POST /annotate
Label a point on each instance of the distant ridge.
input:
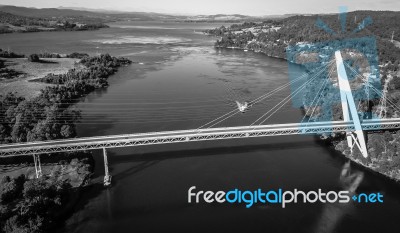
(44, 12)
(122, 15)
(105, 11)
(66, 12)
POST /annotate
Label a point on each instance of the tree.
(375, 143)
(11, 189)
(34, 58)
(67, 131)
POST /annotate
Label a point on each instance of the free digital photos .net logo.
(360, 56)
(279, 197)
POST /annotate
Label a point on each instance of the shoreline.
(370, 169)
(252, 50)
(33, 29)
(359, 162)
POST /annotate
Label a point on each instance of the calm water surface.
(182, 82)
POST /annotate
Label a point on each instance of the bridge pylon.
(356, 136)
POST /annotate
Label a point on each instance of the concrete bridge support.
(107, 176)
(38, 167)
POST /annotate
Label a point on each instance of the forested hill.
(384, 23)
(272, 37)
(20, 20)
(18, 23)
(47, 12)
(104, 15)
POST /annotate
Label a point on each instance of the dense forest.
(37, 205)
(28, 205)
(21, 20)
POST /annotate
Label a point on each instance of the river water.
(181, 82)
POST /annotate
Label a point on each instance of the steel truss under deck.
(115, 141)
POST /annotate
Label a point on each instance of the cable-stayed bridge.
(153, 138)
(351, 125)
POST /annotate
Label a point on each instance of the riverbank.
(9, 28)
(382, 150)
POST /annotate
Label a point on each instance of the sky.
(191, 7)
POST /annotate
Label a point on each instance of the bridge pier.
(38, 167)
(107, 176)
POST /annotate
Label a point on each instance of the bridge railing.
(124, 140)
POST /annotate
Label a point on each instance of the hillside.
(103, 16)
(10, 22)
(109, 15)
(46, 12)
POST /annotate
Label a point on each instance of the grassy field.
(31, 71)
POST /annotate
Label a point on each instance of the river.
(181, 82)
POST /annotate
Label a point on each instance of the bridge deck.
(112, 141)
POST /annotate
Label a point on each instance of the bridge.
(153, 138)
(352, 126)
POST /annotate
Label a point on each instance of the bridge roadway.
(113, 141)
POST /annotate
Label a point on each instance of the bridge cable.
(375, 89)
(253, 102)
(283, 104)
(317, 95)
(316, 103)
(287, 98)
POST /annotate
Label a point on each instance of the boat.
(243, 107)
